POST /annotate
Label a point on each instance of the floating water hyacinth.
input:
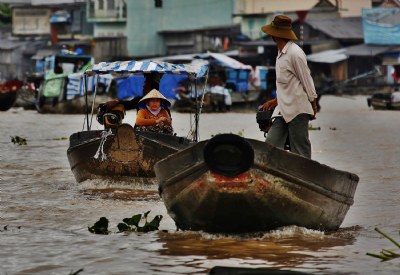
(18, 140)
(132, 224)
(137, 223)
(100, 227)
(312, 128)
(385, 254)
(76, 272)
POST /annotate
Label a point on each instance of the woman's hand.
(161, 119)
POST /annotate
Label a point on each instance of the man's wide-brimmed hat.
(280, 27)
(156, 94)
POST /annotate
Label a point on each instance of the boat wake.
(280, 233)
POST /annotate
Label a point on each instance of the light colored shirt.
(395, 97)
(217, 89)
(295, 86)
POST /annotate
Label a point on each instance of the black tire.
(228, 155)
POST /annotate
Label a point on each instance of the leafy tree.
(5, 14)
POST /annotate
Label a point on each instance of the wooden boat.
(8, 93)
(120, 154)
(120, 151)
(7, 99)
(382, 101)
(232, 184)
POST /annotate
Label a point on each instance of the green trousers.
(295, 132)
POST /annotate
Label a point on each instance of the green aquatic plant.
(59, 138)
(100, 227)
(385, 254)
(132, 224)
(241, 133)
(76, 272)
(137, 223)
(5, 228)
(311, 127)
(5, 14)
(18, 140)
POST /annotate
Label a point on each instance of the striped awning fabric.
(196, 70)
(76, 87)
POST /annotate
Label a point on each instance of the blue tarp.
(130, 87)
(169, 82)
(133, 85)
(60, 17)
(381, 26)
(240, 78)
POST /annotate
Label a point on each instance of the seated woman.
(154, 116)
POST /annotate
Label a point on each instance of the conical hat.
(155, 94)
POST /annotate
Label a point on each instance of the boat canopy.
(193, 70)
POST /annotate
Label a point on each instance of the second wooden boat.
(120, 153)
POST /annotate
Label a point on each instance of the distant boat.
(120, 152)
(383, 101)
(8, 93)
(231, 184)
(64, 93)
(27, 95)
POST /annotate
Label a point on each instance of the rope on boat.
(194, 133)
(94, 99)
(100, 150)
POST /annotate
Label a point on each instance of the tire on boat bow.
(228, 155)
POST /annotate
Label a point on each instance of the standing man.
(295, 103)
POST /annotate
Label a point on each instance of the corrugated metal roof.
(333, 56)
(367, 50)
(54, 2)
(339, 28)
(10, 44)
(394, 49)
(273, 6)
(330, 56)
(40, 54)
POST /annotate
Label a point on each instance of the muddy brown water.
(45, 214)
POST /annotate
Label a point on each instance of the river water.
(45, 214)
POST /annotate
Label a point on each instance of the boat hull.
(382, 101)
(7, 100)
(279, 189)
(121, 154)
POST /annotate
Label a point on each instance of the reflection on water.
(45, 215)
(287, 247)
